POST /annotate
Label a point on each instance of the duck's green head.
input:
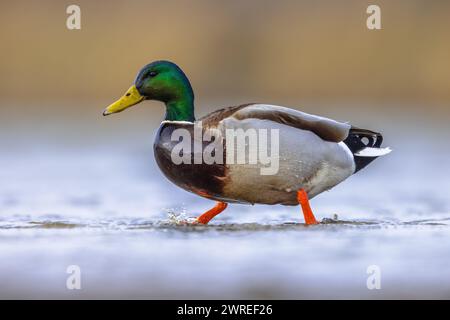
(163, 81)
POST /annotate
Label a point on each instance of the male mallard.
(315, 153)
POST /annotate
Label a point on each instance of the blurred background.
(72, 180)
(317, 56)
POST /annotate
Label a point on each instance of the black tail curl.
(359, 139)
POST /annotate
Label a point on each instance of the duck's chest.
(179, 156)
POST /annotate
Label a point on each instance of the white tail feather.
(373, 152)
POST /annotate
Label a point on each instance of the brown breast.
(206, 180)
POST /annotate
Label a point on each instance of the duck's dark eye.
(152, 73)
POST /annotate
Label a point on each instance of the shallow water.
(141, 258)
(113, 214)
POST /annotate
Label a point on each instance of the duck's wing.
(327, 129)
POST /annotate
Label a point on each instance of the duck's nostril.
(128, 94)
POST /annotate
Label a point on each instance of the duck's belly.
(304, 161)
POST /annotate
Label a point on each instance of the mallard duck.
(314, 153)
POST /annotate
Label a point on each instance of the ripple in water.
(183, 222)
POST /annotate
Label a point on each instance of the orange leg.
(302, 198)
(211, 213)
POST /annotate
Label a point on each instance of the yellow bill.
(130, 98)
